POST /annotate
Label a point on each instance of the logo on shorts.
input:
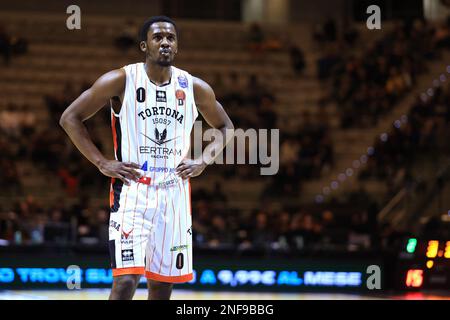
(179, 248)
(114, 225)
(127, 255)
(167, 183)
(189, 230)
(125, 235)
(126, 238)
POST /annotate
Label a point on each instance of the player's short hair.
(144, 29)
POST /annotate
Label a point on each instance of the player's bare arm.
(84, 107)
(214, 114)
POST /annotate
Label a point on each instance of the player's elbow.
(230, 126)
(65, 119)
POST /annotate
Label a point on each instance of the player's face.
(162, 43)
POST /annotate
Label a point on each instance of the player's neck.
(158, 74)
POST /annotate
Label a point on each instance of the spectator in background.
(254, 90)
(330, 30)
(10, 121)
(69, 180)
(256, 38)
(218, 196)
(9, 177)
(234, 92)
(219, 235)
(261, 232)
(305, 231)
(297, 60)
(5, 45)
(351, 35)
(282, 233)
(9, 226)
(325, 32)
(327, 62)
(127, 39)
(201, 224)
(266, 113)
(101, 226)
(219, 86)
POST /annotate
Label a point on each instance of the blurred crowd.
(305, 154)
(424, 131)
(30, 222)
(338, 226)
(347, 226)
(17, 123)
(34, 148)
(75, 172)
(366, 85)
(11, 45)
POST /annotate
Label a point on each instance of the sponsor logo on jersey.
(160, 137)
(180, 96)
(179, 248)
(182, 80)
(146, 168)
(161, 169)
(161, 96)
(161, 111)
(127, 255)
(159, 152)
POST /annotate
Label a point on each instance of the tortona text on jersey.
(161, 111)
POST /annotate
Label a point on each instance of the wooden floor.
(141, 294)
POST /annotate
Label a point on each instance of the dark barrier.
(39, 268)
(422, 265)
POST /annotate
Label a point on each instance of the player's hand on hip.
(189, 168)
(125, 171)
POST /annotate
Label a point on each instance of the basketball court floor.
(141, 294)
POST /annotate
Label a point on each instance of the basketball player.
(153, 109)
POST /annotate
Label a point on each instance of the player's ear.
(143, 46)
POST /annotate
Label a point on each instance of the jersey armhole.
(118, 115)
(194, 110)
(194, 105)
(112, 101)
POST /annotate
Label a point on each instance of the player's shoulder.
(114, 78)
(185, 79)
(202, 90)
(132, 68)
(200, 87)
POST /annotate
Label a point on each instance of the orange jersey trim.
(132, 270)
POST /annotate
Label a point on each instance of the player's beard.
(164, 63)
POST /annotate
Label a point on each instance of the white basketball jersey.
(154, 124)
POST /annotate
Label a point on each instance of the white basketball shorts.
(150, 230)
